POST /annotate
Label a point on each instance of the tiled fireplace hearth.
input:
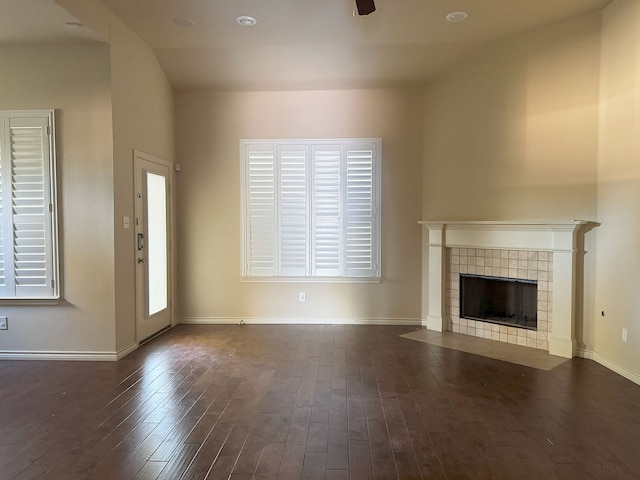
(545, 252)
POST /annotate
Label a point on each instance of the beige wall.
(617, 280)
(142, 120)
(542, 126)
(209, 127)
(110, 99)
(74, 80)
(511, 133)
(142, 103)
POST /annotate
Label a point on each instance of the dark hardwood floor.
(313, 402)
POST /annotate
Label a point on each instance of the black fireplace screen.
(506, 301)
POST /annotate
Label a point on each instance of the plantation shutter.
(311, 208)
(28, 266)
(5, 185)
(261, 228)
(360, 225)
(293, 163)
(30, 207)
(327, 211)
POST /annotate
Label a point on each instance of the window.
(311, 208)
(28, 247)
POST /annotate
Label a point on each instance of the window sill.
(30, 301)
(311, 280)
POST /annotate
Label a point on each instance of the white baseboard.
(610, 364)
(64, 356)
(298, 321)
(127, 350)
(69, 356)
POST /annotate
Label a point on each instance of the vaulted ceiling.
(39, 21)
(307, 44)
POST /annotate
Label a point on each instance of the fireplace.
(503, 301)
(500, 269)
(547, 252)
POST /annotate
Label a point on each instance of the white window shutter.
(326, 208)
(311, 208)
(5, 220)
(30, 207)
(293, 168)
(28, 243)
(360, 206)
(261, 228)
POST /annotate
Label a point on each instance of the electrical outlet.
(302, 297)
(624, 334)
(3, 323)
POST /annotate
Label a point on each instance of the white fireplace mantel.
(560, 237)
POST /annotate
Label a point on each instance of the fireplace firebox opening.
(505, 301)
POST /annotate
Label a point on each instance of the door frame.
(171, 238)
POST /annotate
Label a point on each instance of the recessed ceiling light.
(246, 21)
(183, 22)
(456, 16)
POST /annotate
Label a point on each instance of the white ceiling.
(307, 44)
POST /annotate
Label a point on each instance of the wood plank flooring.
(313, 402)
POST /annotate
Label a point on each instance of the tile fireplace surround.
(548, 252)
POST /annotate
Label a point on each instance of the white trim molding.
(563, 238)
(298, 321)
(610, 364)
(61, 356)
(127, 350)
(69, 356)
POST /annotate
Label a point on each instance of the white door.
(152, 235)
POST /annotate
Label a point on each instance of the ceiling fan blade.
(365, 7)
